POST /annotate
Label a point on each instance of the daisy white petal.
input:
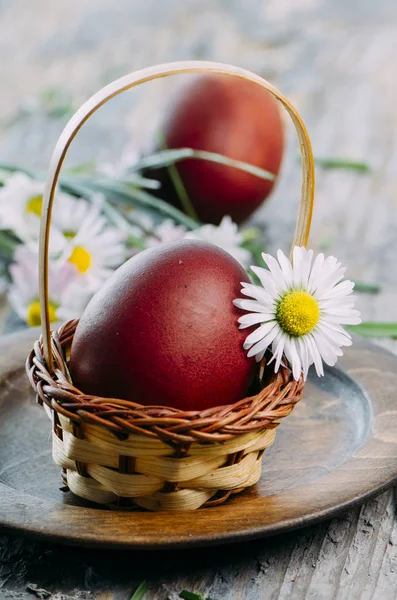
(336, 328)
(302, 261)
(304, 354)
(258, 334)
(286, 267)
(315, 271)
(291, 352)
(340, 338)
(254, 318)
(250, 305)
(329, 352)
(306, 267)
(348, 316)
(297, 266)
(340, 290)
(275, 270)
(314, 354)
(263, 343)
(266, 280)
(258, 293)
(339, 302)
(278, 350)
(331, 274)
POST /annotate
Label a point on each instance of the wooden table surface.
(337, 60)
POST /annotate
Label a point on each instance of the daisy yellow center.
(33, 317)
(81, 258)
(35, 205)
(69, 234)
(297, 313)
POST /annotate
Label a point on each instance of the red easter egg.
(163, 330)
(232, 117)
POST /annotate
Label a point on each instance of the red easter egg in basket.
(163, 330)
(228, 116)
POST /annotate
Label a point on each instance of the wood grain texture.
(336, 60)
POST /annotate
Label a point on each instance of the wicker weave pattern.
(118, 452)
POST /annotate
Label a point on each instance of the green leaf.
(8, 243)
(140, 591)
(16, 168)
(342, 163)
(366, 288)
(374, 330)
(186, 595)
(87, 168)
(141, 182)
(165, 158)
(117, 192)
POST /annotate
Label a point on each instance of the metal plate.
(338, 447)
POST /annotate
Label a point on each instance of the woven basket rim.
(172, 425)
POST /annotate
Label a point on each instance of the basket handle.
(125, 83)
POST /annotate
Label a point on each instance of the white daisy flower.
(300, 311)
(21, 200)
(226, 235)
(95, 248)
(69, 213)
(20, 205)
(167, 231)
(68, 297)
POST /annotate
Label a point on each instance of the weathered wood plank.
(337, 61)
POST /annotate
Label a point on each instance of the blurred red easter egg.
(163, 330)
(228, 116)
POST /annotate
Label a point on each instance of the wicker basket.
(122, 454)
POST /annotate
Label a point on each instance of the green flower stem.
(165, 158)
(140, 591)
(341, 163)
(178, 184)
(181, 192)
(130, 196)
(374, 330)
(366, 288)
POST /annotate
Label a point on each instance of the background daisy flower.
(94, 247)
(21, 201)
(68, 297)
(227, 236)
(167, 231)
(300, 311)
